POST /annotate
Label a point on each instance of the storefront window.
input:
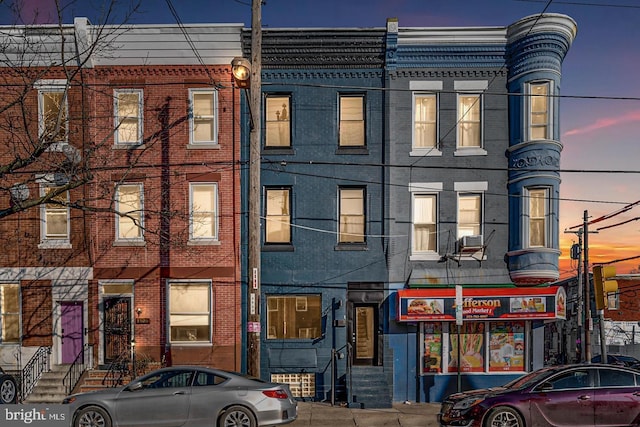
(472, 348)
(432, 355)
(506, 345)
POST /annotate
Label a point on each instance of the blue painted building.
(473, 138)
(323, 258)
(410, 181)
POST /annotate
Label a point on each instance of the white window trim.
(420, 189)
(130, 240)
(116, 111)
(47, 243)
(210, 314)
(550, 110)
(203, 144)
(52, 85)
(470, 151)
(527, 216)
(205, 240)
(425, 151)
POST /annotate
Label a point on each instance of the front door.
(117, 328)
(71, 333)
(364, 333)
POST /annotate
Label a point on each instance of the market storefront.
(495, 328)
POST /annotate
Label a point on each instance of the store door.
(117, 328)
(71, 330)
(364, 334)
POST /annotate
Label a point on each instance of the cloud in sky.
(607, 122)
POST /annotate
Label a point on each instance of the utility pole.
(587, 291)
(255, 94)
(580, 287)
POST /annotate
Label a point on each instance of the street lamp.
(241, 69)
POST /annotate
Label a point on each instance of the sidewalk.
(402, 415)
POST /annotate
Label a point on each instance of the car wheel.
(8, 389)
(237, 416)
(503, 416)
(92, 416)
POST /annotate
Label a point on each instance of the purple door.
(71, 331)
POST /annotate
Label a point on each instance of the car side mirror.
(134, 386)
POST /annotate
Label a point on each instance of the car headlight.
(69, 399)
(467, 403)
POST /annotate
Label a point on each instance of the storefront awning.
(439, 304)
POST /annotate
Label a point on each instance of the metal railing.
(118, 369)
(74, 373)
(39, 363)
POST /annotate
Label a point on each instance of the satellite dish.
(20, 192)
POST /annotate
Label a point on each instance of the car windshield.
(530, 378)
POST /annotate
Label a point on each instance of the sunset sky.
(600, 108)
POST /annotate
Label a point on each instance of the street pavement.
(400, 415)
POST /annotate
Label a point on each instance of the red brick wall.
(629, 297)
(37, 318)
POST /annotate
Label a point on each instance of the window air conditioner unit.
(468, 243)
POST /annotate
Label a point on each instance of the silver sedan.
(189, 396)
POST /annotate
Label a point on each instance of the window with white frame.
(278, 215)
(129, 212)
(539, 110)
(538, 208)
(128, 116)
(469, 214)
(9, 313)
(425, 121)
(469, 120)
(204, 211)
(53, 112)
(425, 223)
(294, 316)
(352, 215)
(352, 121)
(203, 119)
(277, 122)
(190, 312)
(55, 215)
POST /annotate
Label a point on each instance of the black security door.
(117, 327)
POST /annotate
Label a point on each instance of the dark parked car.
(8, 388)
(186, 396)
(571, 395)
(618, 359)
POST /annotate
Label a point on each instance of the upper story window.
(55, 217)
(352, 121)
(425, 121)
(540, 110)
(190, 312)
(278, 215)
(469, 214)
(203, 123)
(203, 211)
(277, 122)
(469, 120)
(352, 215)
(538, 209)
(129, 212)
(53, 111)
(425, 223)
(128, 116)
(9, 313)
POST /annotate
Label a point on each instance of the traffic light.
(603, 285)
